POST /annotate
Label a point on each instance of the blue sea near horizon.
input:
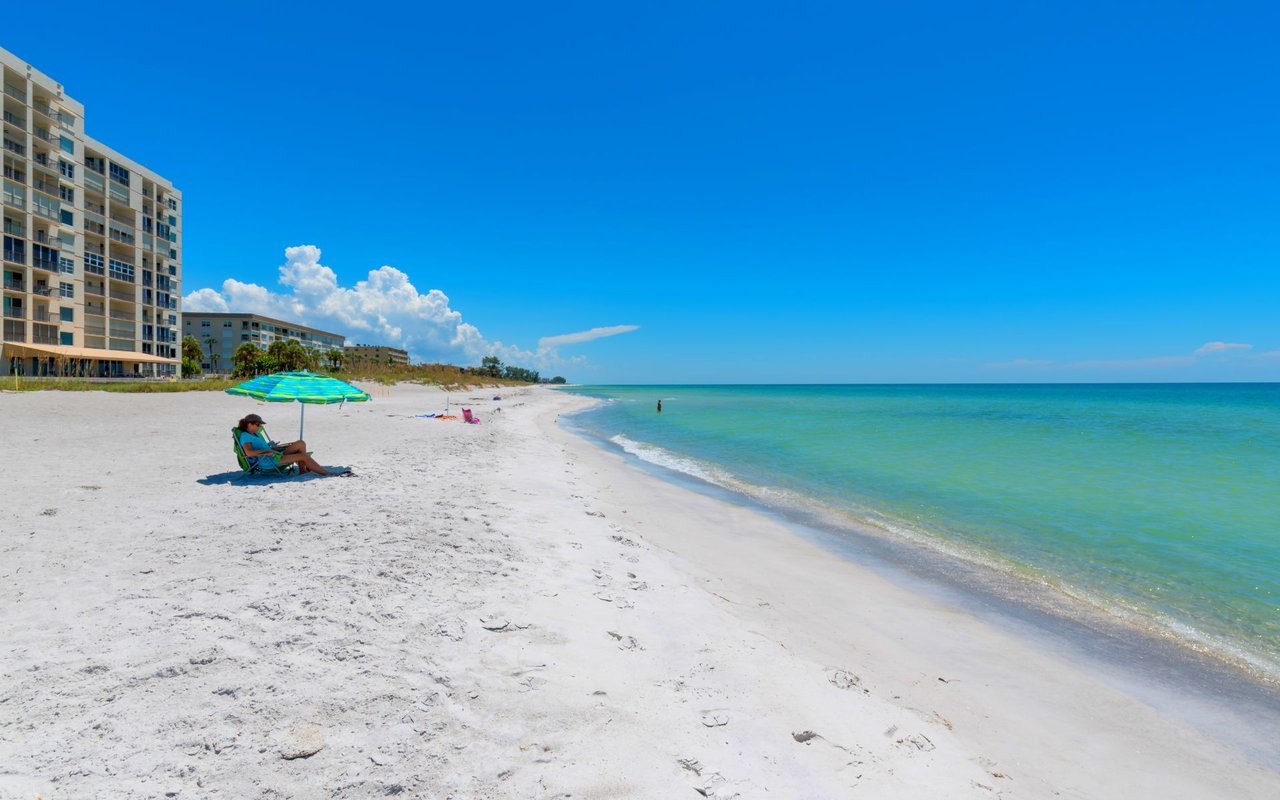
(1158, 504)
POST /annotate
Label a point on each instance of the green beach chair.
(275, 469)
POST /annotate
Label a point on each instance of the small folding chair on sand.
(252, 469)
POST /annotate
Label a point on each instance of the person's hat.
(253, 418)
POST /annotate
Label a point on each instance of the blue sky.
(827, 192)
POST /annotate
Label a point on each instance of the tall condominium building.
(92, 244)
(229, 330)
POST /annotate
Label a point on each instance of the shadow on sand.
(239, 478)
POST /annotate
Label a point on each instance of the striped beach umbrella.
(299, 387)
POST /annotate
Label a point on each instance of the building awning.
(65, 351)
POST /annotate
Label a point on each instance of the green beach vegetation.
(250, 360)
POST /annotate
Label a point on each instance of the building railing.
(15, 331)
(41, 315)
(118, 344)
(47, 266)
(121, 237)
(97, 208)
(15, 92)
(94, 270)
(44, 334)
(123, 315)
(43, 291)
(15, 228)
(14, 147)
(47, 110)
(15, 256)
(97, 249)
(97, 311)
(14, 119)
(95, 330)
(15, 174)
(15, 313)
(120, 294)
(15, 285)
(94, 290)
(94, 182)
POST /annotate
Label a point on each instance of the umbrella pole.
(302, 418)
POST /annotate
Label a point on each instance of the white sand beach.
(499, 610)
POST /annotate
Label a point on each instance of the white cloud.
(385, 308)
(584, 336)
(1219, 347)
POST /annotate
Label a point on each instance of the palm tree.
(213, 357)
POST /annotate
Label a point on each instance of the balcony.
(122, 237)
(46, 109)
(96, 249)
(95, 183)
(121, 294)
(121, 275)
(47, 266)
(15, 120)
(15, 174)
(14, 228)
(15, 331)
(15, 93)
(15, 312)
(44, 334)
(119, 344)
(125, 315)
(95, 310)
(94, 290)
(94, 330)
(15, 284)
(42, 290)
(48, 187)
(122, 331)
(93, 269)
(15, 256)
(42, 315)
(15, 147)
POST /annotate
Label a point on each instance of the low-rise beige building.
(376, 354)
(229, 330)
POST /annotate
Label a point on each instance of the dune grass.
(146, 387)
(446, 376)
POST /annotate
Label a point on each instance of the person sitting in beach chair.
(265, 456)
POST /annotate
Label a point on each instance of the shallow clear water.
(1159, 503)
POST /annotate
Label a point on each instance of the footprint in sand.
(625, 642)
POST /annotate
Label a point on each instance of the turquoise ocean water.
(1158, 504)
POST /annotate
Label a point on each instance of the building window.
(67, 338)
(227, 324)
(67, 290)
(67, 217)
(93, 260)
(204, 323)
(67, 313)
(67, 193)
(95, 163)
(67, 265)
(173, 204)
(67, 169)
(68, 146)
(119, 174)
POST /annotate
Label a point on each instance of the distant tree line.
(492, 367)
